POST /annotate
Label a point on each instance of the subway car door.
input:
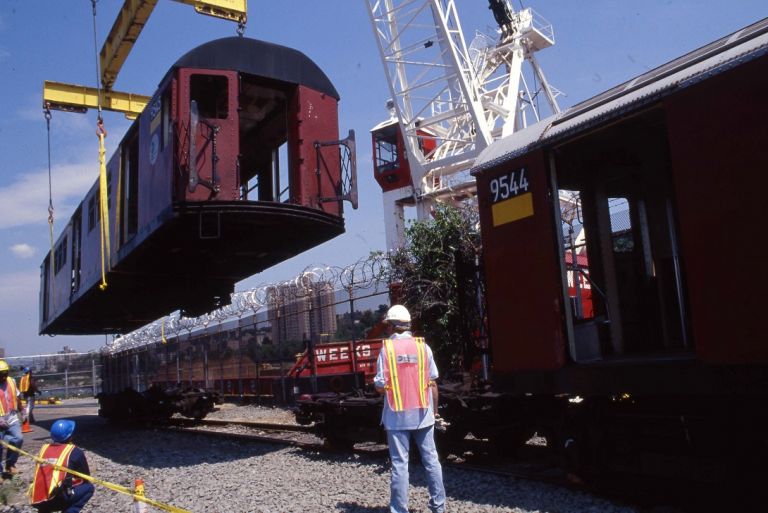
(209, 135)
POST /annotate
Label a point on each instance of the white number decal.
(523, 180)
(509, 185)
(514, 187)
(504, 187)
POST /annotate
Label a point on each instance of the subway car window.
(211, 94)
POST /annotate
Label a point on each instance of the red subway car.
(235, 165)
(669, 173)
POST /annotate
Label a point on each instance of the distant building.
(289, 313)
(67, 350)
(2, 352)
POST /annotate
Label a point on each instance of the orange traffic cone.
(25, 428)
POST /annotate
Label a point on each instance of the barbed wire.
(364, 274)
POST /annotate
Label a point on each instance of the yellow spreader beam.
(77, 98)
(133, 16)
(130, 21)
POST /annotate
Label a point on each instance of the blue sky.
(600, 43)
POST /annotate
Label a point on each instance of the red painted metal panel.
(336, 358)
(719, 150)
(524, 291)
(313, 117)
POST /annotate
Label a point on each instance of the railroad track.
(477, 458)
(266, 426)
(264, 432)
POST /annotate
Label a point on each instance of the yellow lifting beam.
(232, 10)
(130, 21)
(125, 31)
(134, 15)
(78, 98)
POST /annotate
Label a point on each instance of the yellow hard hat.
(4, 366)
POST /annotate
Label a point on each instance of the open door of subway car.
(619, 236)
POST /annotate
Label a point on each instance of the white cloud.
(26, 199)
(23, 250)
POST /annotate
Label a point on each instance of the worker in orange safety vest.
(406, 374)
(10, 427)
(56, 490)
(28, 389)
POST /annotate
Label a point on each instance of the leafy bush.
(438, 282)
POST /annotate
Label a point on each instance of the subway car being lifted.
(235, 165)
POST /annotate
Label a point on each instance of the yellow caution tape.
(112, 486)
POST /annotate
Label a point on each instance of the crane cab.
(391, 166)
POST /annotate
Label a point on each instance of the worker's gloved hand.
(3, 424)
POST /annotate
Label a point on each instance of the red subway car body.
(233, 167)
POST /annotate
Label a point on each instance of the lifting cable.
(47, 113)
(106, 484)
(101, 133)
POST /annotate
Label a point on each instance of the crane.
(125, 31)
(450, 100)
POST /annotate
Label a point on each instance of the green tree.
(438, 282)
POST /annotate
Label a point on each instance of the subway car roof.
(725, 53)
(259, 58)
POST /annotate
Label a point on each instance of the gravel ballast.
(202, 474)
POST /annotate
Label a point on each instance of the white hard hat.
(398, 314)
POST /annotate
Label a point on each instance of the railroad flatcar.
(234, 166)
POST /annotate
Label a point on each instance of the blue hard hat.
(25, 370)
(62, 430)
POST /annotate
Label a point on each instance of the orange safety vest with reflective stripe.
(47, 479)
(8, 397)
(24, 383)
(406, 372)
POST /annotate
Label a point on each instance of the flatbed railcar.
(666, 370)
(233, 167)
(190, 375)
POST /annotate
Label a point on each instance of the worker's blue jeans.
(424, 439)
(82, 494)
(12, 435)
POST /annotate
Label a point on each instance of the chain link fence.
(61, 375)
(250, 348)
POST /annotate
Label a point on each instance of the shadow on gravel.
(353, 507)
(472, 487)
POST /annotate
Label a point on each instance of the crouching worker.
(56, 490)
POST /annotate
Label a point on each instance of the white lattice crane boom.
(449, 100)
